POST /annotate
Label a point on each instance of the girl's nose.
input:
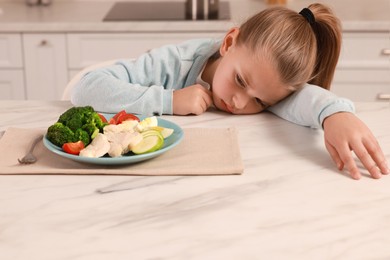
(240, 100)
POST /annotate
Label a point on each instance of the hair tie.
(309, 16)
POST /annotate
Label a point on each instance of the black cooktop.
(158, 11)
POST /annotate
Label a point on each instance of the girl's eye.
(240, 81)
(261, 103)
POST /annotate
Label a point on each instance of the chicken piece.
(115, 150)
(125, 126)
(121, 142)
(122, 137)
(97, 148)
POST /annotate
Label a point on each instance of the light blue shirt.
(145, 85)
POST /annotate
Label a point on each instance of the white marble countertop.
(87, 16)
(290, 203)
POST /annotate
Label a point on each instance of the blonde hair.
(300, 51)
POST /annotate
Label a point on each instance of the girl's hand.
(193, 99)
(344, 132)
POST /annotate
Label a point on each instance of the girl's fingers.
(365, 157)
(207, 100)
(343, 159)
(335, 156)
(377, 155)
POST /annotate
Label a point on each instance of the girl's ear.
(229, 40)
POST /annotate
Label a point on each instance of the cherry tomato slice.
(102, 118)
(114, 119)
(122, 116)
(73, 148)
(127, 117)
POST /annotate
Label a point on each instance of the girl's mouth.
(227, 107)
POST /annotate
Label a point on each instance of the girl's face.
(243, 83)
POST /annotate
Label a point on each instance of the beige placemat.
(203, 151)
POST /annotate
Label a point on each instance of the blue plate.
(169, 143)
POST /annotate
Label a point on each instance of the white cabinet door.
(11, 51)
(11, 67)
(45, 65)
(12, 84)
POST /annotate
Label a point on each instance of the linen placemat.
(203, 151)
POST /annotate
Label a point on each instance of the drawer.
(90, 48)
(361, 92)
(365, 51)
(367, 76)
(362, 85)
(11, 51)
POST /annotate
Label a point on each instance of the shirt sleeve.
(141, 86)
(310, 105)
(110, 90)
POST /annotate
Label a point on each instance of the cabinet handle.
(386, 52)
(43, 43)
(383, 96)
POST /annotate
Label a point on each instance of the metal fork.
(29, 157)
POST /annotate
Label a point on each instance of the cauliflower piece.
(97, 148)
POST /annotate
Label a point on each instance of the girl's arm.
(343, 131)
(310, 105)
(142, 86)
(145, 85)
(110, 90)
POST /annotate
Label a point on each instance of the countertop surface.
(87, 16)
(290, 203)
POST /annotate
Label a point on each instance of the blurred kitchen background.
(44, 43)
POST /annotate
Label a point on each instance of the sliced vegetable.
(104, 120)
(152, 141)
(147, 123)
(122, 116)
(127, 117)
(165, 132)
(73, 148)
(113, 120)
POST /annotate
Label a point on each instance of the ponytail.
(327, 29)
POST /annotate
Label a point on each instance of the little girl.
(264, 64)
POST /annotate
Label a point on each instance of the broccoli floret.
(98, 121)
(75, 124)
(91, 129)
(59, 134)
(81, 135)
(76, 117)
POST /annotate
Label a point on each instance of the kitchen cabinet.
(42, 64)
(363, 72)
(11, 67)
(45, 65)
